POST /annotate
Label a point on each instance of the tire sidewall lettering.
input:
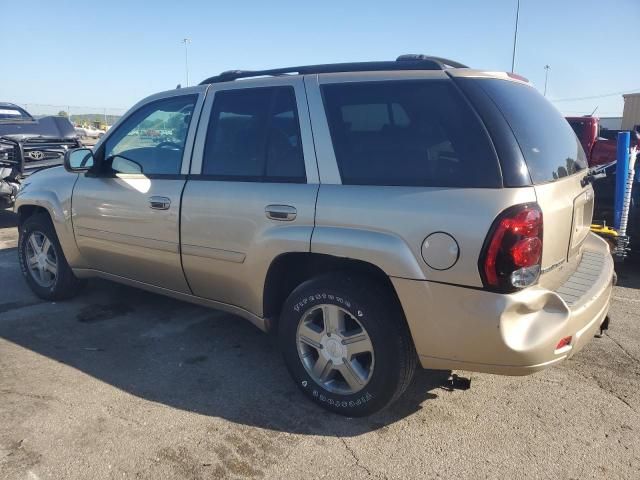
(309, 300)
(362, 399)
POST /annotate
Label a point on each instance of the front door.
(126, 216)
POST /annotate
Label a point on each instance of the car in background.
(600, 144)
(28, 144)
(89, 132)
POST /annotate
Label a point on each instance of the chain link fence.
(79, 115)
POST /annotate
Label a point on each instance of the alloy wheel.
(41, 259)
(335, 349)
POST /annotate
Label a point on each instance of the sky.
(110, 54)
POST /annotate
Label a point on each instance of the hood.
(53, 127)
(48, 173)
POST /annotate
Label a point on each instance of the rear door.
(252, 190)
(126, 217)
(556, 164)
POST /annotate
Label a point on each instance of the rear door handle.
(159, 203)
(284, 213)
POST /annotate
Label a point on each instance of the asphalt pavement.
(120, 383)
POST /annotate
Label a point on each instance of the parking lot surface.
(119, 383)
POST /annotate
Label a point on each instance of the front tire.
(42, 260)
(346, 344)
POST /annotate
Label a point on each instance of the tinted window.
(374, 116)
(548, 143)
(413, 133)
(152, 139)
(254, 135)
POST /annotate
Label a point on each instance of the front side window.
(254, 135)
(408, 133)
(151, 141)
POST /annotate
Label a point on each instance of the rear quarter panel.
(386, 226)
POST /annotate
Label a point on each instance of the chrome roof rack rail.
(403, 62)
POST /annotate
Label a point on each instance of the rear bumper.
(468, 329)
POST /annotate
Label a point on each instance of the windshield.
(549, 145)
(13, 113)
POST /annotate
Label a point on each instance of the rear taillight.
(512, 252)
(563, 342)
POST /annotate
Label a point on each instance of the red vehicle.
(599, 144)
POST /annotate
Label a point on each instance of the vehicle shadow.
(629, 272)
(8, 219)
(187, 357)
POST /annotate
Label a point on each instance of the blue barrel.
(622, 173)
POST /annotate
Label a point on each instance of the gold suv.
(376, 215)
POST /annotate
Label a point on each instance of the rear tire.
(346, 343)
(42, 260)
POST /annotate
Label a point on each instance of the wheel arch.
(58, 212)
(289, 270)
(26, 211)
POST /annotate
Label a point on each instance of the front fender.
(52, 190)
(385, 250)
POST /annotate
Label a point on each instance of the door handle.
(159, 203)
(284, 213)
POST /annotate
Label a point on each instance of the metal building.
(631, 112)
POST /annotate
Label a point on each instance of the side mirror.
(124, 165)
(78, 160)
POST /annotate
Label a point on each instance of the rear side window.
(549, 145)
(408, 133)
(254, 135)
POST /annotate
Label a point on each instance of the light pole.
(186, 42)
(546, 77)
(515, 38)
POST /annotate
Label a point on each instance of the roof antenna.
(178, 86)
(594, 110)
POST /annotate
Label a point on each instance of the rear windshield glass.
(408, 133)
(13, 113)
(548, 143)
